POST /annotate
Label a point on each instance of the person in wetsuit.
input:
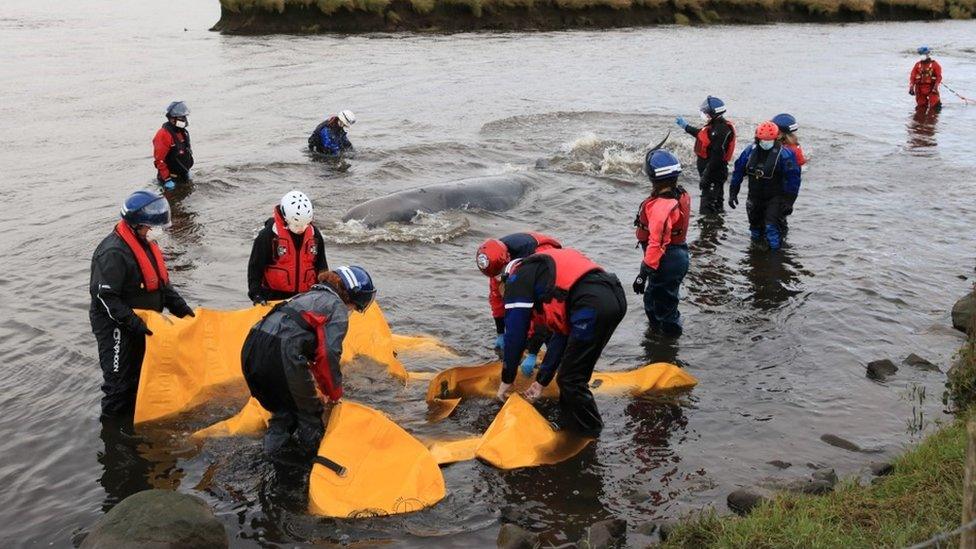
(924, 80)
(714, 147)
(330, 137)
(172, 154)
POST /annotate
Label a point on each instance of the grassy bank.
(921, 498)
(256, 16)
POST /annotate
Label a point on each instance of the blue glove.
(189, 175)
(528, 364)
(169, 184)
(681, 122)
(500, 341)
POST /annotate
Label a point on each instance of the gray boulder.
(962, 312)
(513, 537)
(744, 500)
(916, 361)
(158, 519)
(604, 534)
(880, 370)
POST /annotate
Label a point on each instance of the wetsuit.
(924, 82)
(172, 154)
(520, 245)
(662, 229)
(118, 285)
(714, 146)
(774, 183)
(329, 138)
(582, 320)
(265, 254)
(293, 350)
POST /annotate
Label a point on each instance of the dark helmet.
(359, 286)
(924, 50)
(712, 106)
(661, 165)
(785, 122)
(492, 257)
(146, 208)
(177, 109)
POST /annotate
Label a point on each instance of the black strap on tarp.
(330, 465)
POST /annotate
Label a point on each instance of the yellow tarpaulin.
(448, 388)
(188, 359)
(518, 437)
(382, 469)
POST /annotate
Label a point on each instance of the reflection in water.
(124, 470)
(659, 347)
(774, 277)
(921, 130)
(708, 277)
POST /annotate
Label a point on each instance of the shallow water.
(880, 246)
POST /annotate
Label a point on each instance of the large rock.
(879, 370)
(962, 313)
(744, 500)
(604, 534)
(158, 519)
(513, 537)
(916, 361)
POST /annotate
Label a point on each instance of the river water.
(881, 243)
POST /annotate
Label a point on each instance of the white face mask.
(297, 229)
(766, 145)
(181, 124)
(704, 116)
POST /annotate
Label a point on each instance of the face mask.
(296, 228)
(766, 145)
(704, 116)
(181, 124)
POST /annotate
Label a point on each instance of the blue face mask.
(766, 145)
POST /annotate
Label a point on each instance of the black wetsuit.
(713, 170)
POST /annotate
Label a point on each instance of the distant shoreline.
(446, 16)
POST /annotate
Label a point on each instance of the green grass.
(923, 497)
(955, 8)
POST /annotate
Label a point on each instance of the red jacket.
(925, 74)
(662, 221)
(162, 143)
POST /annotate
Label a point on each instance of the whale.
(494, 193)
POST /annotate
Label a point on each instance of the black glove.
(182, 310)
(911, 91)
(139, 327)
(641, 281)
(733, 199)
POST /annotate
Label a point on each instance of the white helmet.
(346, 118)
(296, 208)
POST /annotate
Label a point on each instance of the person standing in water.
(291, 358)
(787, 137)
(582, 305)
(924, 80)
(774, 183)
(288, 253)
(172, 154)
(714, 147)
(662, 229)
(128, 272)
(330, 137)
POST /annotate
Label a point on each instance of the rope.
(937, 540)
(965, 99)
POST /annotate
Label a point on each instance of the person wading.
(714, 147)
(172, 154)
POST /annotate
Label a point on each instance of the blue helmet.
(661, 165)
(359, 286)
(177, 109)
(786, 123)
(924, 50)
(712, 106)
(146, 208)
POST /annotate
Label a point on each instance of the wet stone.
(880, 370)
(962, 312)
(665, 527)
(511, 536)
(647, 528)
(605, 534)
(158, 518)
(744, 500)
(916, 361)
(881, 468)
(839, 442)
(779, 464)
(825, 475)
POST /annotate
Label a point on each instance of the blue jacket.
(325, 139)
(785, 176)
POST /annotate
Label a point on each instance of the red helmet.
(492, 257)
(767, 131)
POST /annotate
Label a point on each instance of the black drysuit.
(714, 169)
(116, 289)
(595, 305)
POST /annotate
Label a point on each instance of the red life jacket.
(319, 366)
(570, 266)
(151, 275)
(797, 151)
(703, 140)
(545, 242)
(293, 270)
(655, 219)
(925, 73)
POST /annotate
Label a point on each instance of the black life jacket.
(179, 159)
(764, 178)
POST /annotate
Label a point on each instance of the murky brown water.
(882, 232)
